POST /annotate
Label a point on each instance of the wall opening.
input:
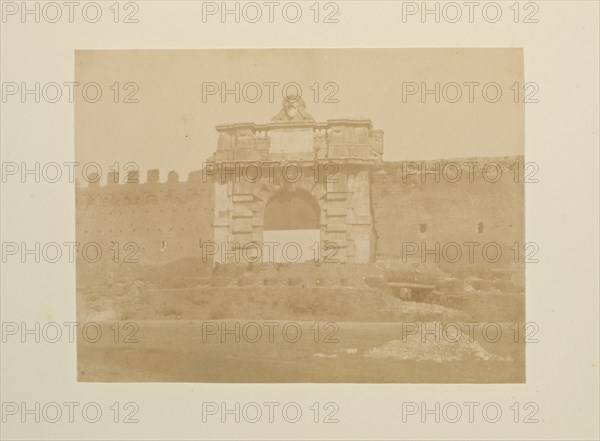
(291, 228)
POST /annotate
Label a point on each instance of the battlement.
(133, 177)
(130, 192)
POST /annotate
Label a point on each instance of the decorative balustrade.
(344, 140)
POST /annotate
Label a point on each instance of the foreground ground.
(193, 351)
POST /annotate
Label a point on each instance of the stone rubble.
(452, 348)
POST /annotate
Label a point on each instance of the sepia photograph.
(302, 215)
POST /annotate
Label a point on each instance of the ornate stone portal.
(293, 181)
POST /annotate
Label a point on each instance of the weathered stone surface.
(220, 238)
(221, 199)
(242, 213)
(339, 151)
(334, 212)
(243, 198)
(295, 141)
(241, 229)
(337, 183)
(244, 186)
(319, 191)
(336, 196)
(337, 227)
(360, 220)
(339, 243)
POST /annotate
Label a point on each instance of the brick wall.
(408, 211)
(167, 220)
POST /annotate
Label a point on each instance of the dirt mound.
(416, 347)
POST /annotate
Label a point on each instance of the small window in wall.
(163, 245)
(480, 228)
(422, 228)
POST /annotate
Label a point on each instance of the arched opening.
(292, 210)
(291, 228)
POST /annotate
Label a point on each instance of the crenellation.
(153, 176)
(113, 178)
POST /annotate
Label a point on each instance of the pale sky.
(171, 128)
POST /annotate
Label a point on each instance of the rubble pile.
(415, 347)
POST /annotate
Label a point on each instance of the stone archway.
(330, 161)
(291, 227)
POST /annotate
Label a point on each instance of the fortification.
(320, 185)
